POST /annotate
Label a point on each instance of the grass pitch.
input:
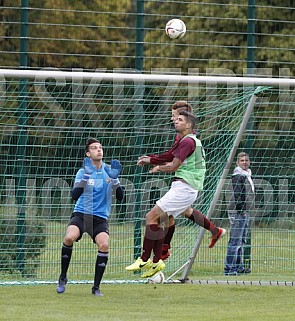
(148, 302)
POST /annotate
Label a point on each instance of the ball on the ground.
(175, 29)
(158, 278)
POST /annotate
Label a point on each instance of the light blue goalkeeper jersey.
(97, 196)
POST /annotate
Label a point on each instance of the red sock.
(198, 218)
(153, 233)
(158, 245)
(169, 235)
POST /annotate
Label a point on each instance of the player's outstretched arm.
(142, 160)
(168, 167)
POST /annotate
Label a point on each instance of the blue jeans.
(239, 226)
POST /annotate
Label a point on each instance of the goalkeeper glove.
(115, 169)
(88, 168)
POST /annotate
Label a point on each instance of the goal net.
(46, 118)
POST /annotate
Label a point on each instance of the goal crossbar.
(133, 76)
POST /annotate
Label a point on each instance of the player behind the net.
(187, 160)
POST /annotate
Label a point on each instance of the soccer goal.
(46, 118)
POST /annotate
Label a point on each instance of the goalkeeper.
(92, 192)
(188, 163)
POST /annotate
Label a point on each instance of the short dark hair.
(183, 105)
(191, 117)
(90, 141)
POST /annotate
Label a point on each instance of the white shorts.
(179, 197)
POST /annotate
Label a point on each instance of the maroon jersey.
(181, 149)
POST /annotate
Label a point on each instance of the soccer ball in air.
(175, 29)
(158, 278)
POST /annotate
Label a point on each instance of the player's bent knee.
(72, 235)
(188, 212)
(153, 216)
(104, 247)
(102, 241)
(149, 216)
(69, 240)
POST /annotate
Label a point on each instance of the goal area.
(46, 118)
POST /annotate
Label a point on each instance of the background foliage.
(102, 34)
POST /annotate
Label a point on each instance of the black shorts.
(91, 224)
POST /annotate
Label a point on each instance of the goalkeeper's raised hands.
(88, 167)
(115, 169)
